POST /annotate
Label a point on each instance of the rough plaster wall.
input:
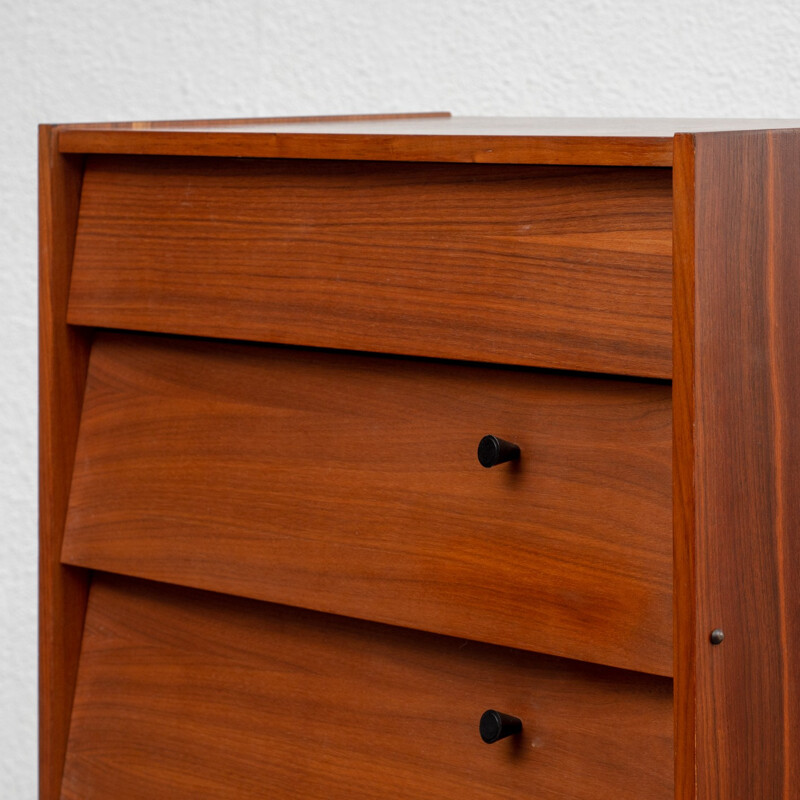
(79, 61)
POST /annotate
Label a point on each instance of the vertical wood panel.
(683, 464)
(784, 300)
(737, 403)
(63, 359)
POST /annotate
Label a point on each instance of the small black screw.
(716, 637)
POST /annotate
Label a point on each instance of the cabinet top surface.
(408, 137)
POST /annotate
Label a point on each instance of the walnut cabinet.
(272, 562)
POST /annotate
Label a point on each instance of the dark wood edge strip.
(63, 362)
(559, 150)
(683, 415)
(783, 149)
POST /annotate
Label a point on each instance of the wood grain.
(685, 632)
(350, 484)
(183, 694)
(737, 400)
(567, 268)
(63, 358)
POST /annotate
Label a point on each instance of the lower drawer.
(187, 694)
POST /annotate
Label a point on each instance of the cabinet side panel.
(785, 385)
(62, 371)
(745, 399)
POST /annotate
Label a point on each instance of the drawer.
(187, 694)
(562, 267)
(349, 483)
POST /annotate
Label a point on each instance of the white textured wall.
(89, 61)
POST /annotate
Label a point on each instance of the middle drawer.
(350, 484)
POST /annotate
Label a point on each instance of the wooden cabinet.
(271, 562)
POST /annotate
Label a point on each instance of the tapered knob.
(493, 451)
(495, 726)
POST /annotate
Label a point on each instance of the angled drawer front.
(564, 267)
(184, 694)
(350, 483)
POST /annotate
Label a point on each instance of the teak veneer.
(349, 484)
(538, 266)
(270, 560)
(228, 682)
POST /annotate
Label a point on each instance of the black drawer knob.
(493, 451)
(495, 726)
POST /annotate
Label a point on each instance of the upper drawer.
(351, 484)
(564, 267)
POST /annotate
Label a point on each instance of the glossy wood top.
(409, 137)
